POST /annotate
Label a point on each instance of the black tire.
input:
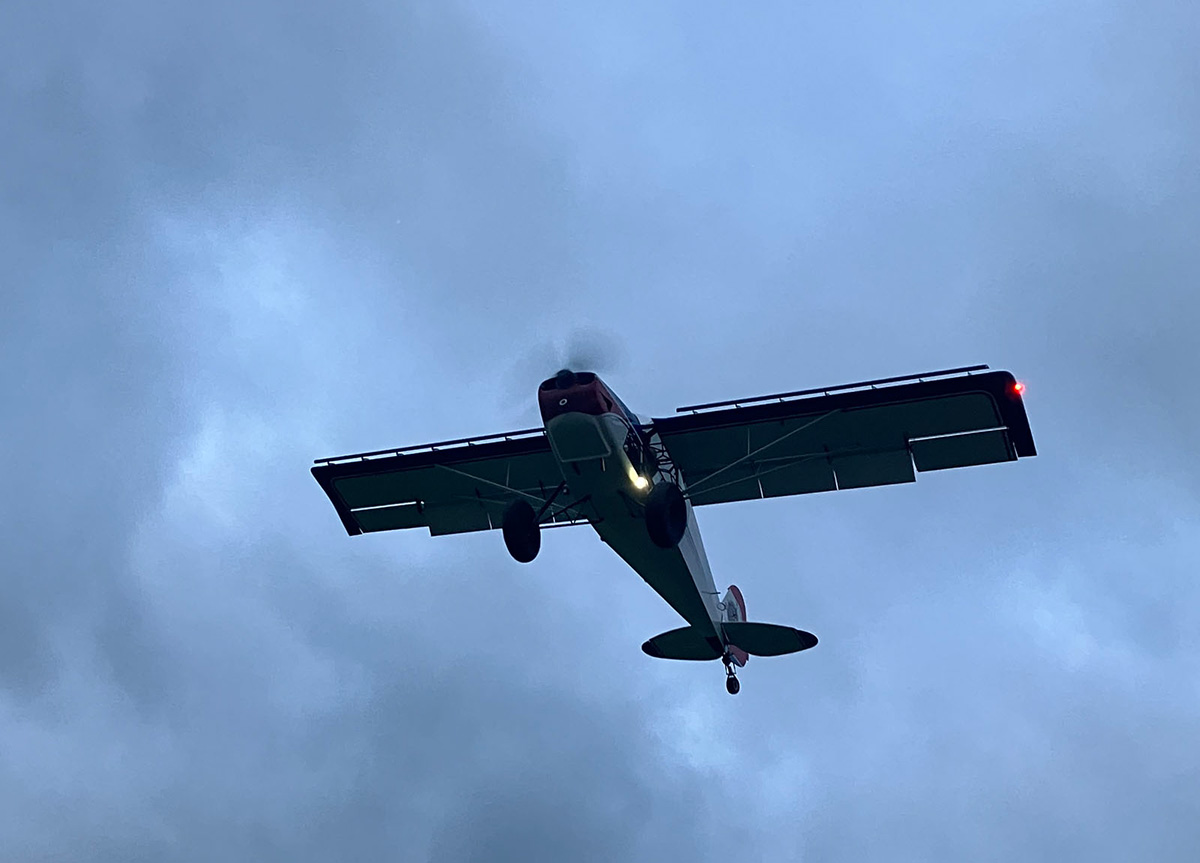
(732, 686)
(522, 536)
(666, 515)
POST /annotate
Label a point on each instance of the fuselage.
(608, 464)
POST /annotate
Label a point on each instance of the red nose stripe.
(590, 398)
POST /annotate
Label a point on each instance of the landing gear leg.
(732, 685)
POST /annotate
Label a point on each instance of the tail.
(734, 605)
(742, 639)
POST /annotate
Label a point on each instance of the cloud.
(239, 237)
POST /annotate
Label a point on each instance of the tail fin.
(734, 604)
(735, 612)
(742, 639)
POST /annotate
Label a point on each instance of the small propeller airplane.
(636, 480)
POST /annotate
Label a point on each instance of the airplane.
(637, 480)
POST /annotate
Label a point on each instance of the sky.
(240, 236)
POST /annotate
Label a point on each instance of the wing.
(450, 487)
(875, 433)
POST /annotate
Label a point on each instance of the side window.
(640, 455)
(633, 446)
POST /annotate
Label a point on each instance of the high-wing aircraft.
(637, 480)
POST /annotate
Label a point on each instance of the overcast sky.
(238, 236)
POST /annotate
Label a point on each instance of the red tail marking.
(737, 594)
(740, 657)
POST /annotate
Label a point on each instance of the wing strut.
(550, 500)
(570, 507)
(498, 485)
(753, 453)
(788, 462)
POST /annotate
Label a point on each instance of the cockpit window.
(632, 416)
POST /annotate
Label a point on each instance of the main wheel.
(666, 514)
(522, 536)
(732, 686)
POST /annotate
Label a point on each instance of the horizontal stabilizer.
(685, 643)
(766, 639)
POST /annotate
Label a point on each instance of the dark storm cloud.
(174, 689)
(241, 236)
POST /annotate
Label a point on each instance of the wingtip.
(806, 639)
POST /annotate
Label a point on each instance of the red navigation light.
(1018, 388)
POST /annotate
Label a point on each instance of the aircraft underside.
(637, 481)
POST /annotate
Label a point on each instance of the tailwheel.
(732, 685)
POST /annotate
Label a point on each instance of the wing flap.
(457, 518)
(884, 468)
(804, 477)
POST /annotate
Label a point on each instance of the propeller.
(592, 350)
(583, 349)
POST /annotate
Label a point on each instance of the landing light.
(640, 482)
